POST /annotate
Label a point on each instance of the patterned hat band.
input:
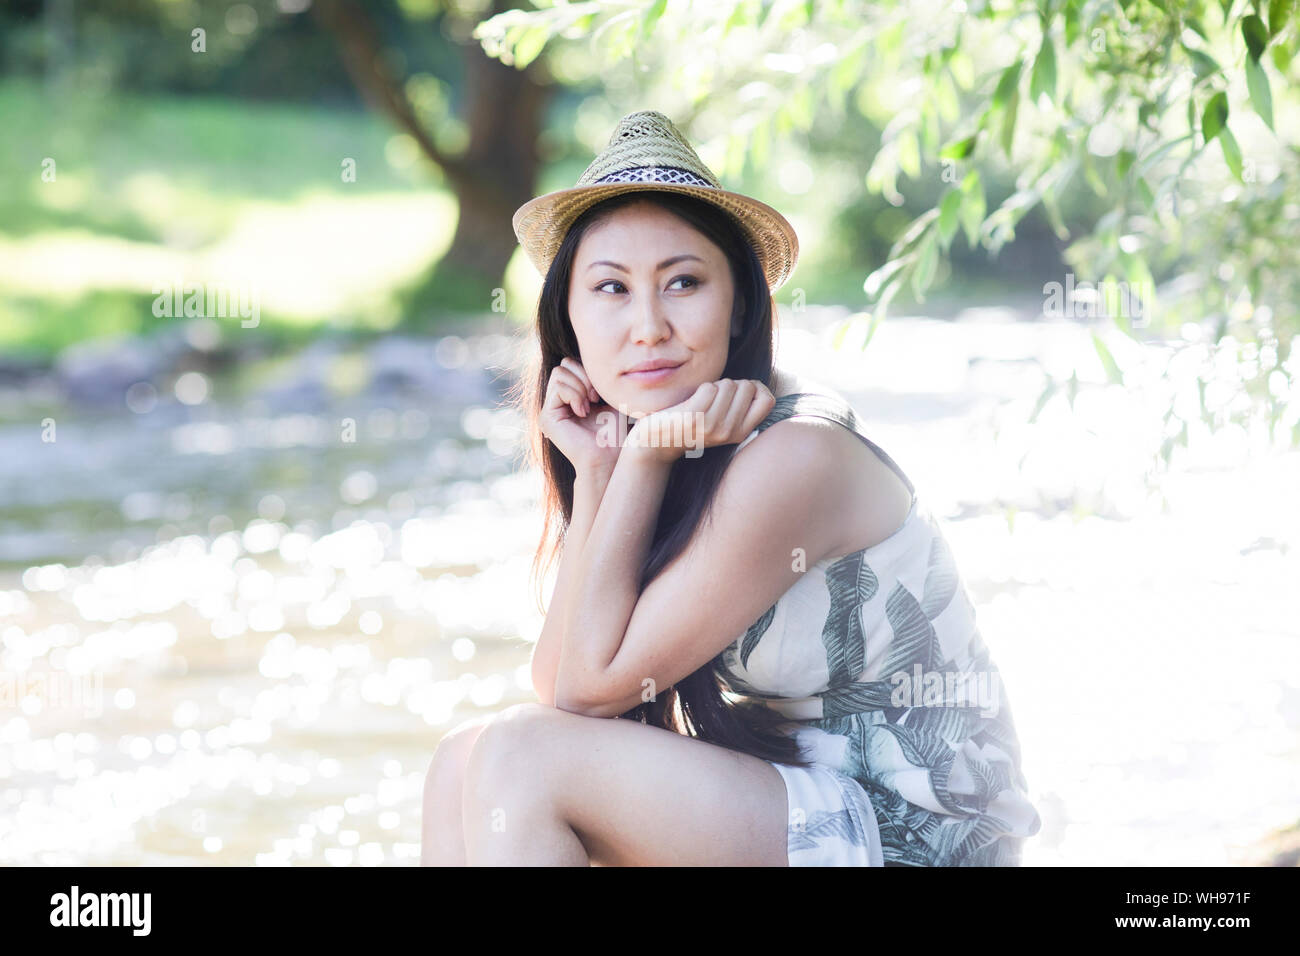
(654, 174)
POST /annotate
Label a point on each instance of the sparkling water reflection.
(230, 635)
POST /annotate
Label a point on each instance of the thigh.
(447, 767)
(642, 796)
(440, 833)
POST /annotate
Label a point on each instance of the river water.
(235, 619)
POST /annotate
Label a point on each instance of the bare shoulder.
(788, 473)
(859, 500)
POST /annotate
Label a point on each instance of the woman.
(745, 578)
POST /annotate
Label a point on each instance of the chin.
(647, 401)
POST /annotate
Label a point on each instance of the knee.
(447, 767)
(513, 744)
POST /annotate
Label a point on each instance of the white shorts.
(831, 822)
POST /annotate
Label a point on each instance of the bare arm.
(588, 490)
(608, 566)
(766, 530)
(593, 669)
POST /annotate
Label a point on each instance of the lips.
(653, 376)
(654, 366)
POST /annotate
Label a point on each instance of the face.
(646, 286)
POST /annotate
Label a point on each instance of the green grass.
(207, 153)
(41, 328)
(147, 187)
(142, 183)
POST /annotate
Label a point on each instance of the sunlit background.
(252, 567)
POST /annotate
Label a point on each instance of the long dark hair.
(695, 705)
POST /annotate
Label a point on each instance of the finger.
(741, 403)
(763, 403)
(716, 416)
(576, 396)
(562, 373)
(574, 366)
(567, 391)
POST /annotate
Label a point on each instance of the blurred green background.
(254, 562)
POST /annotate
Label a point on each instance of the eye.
(683, 278)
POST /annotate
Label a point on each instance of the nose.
(651, 324)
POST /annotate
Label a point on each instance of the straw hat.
(647, 152)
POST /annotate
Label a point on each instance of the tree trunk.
(498, 173)
(495, 174)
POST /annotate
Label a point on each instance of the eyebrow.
(659, 268)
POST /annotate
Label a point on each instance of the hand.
(572, 416)
(719, 413)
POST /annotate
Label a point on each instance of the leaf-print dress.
(877, 659)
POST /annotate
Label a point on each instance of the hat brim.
(542, 223)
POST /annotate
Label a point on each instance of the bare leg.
(547, 787)
(442, 841)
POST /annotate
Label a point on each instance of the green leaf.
(944, 95)
(949, 209)
(1043, 78)
(972, 207)
(1107, 359)
(1231, 152)
(882, 276)
(1260, 96)
(1009, 123)
(651, 17)
(1150, 159)
(513, 33)
(1115, 299)
(1124, 162)
(1008, 83)
(1144, 191)
(1255, 34)
(1279, 11)
(875, 318)
(926, 265)
(915, 230)
(962, 69)
(1053, 210)
(1203, 64)
(1215, 116)
(1136, 271)
(1090, 175)
(1071, 23)
(930, 132)
(739, 14)
(529, 45)
(896, 269)
(837, 340)
(1281, 58)
(959, 149)
(909, 152)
